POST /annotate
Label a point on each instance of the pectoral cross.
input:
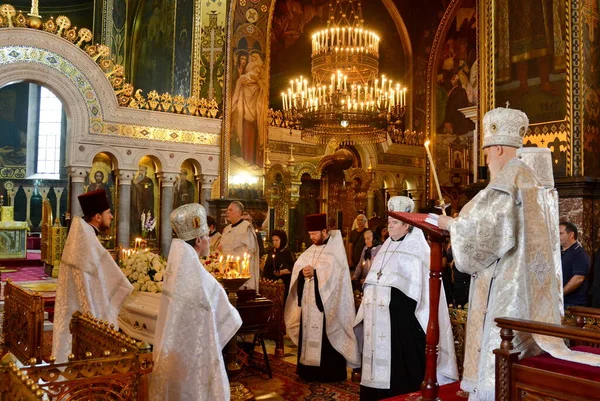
(210, 46)
(379, 274)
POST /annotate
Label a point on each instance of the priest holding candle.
(507, 238)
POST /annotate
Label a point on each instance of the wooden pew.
(524, 380)
(23, 325)
(104, 364)
(275, 291)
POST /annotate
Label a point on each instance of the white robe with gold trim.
(195, 322)
(89, 281)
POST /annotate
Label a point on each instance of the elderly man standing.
(239, 238)
(195, 320)
(319, 311)
(89, 280)
(507, 238)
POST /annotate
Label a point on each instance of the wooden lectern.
(437, 237)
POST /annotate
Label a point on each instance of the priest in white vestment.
(393, 316)
(239, 238)
(89, 280)
(507, 238)
(195, 320)
(320, 311)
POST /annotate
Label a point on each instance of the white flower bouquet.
(212, 262)
(144, 270)
(148, 224)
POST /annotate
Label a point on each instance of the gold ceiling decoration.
(127, 95)
(347, 102)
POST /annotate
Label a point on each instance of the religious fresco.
(14, 106)
(114, 18)
(153, 47)
(145, 197)
(102, 176)
(250, 80)
(591, 77)
(530, 58)
(184, 33)
(184, 189)
(456, 87)
(209, 51)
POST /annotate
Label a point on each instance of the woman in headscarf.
(280, 260)
(372, 245)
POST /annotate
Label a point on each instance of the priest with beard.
(89, 280)
(319, 310)
(195, 319)
(394, 313)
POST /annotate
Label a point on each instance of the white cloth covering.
(335, 289)
(236, 241)
(195, 322)
(407, 269)
(89, 281)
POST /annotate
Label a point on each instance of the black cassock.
(333, 364)
(408, 350)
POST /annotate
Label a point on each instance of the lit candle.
(435, 178)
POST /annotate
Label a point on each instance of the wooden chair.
(104, 364)
(23, 325)
(543, 377)
(275, 291)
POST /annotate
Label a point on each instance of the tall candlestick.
(435, 177)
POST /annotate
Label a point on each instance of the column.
(370, 203)
(77, 175)
(58, 192)
(206, 191)
(166, 207)
(28, 195)
(124, 211)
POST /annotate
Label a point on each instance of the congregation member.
(214, 234)
(372, 246)
(320, 311)
(280, 260)
(392, 319)
(89, 280)
(239, 238)
(575, 264)
(195, 319)
(507, 238)
(357, 240)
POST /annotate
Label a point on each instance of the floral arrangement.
(148, 223)
(144, 270)
(212, 262)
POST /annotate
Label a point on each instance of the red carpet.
(285, 383)
(33, 273)
(448, 392)
(33, 259)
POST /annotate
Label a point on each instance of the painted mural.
(184, 188)
(184, 33)
(153, 30)
(531, 58)
(209, 52)
(250, 81)
(102, 176)
(145, 197)
(591, 73)
(14, 100)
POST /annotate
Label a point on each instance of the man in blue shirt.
(575, 266)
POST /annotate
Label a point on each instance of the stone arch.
(410, 183)
(307, 168)
(109, 150)
(387, 180)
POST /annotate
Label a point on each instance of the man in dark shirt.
(575, 266)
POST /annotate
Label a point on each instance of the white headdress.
(189, 221)
(505, 127)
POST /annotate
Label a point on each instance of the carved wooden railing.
(104, 364)
(23, 325)
(16, 385)
(275, 291)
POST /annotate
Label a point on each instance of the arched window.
(50, 129)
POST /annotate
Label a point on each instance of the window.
(49, 133)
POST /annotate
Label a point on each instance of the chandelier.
(347, 102)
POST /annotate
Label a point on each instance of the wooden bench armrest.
(549, 329)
